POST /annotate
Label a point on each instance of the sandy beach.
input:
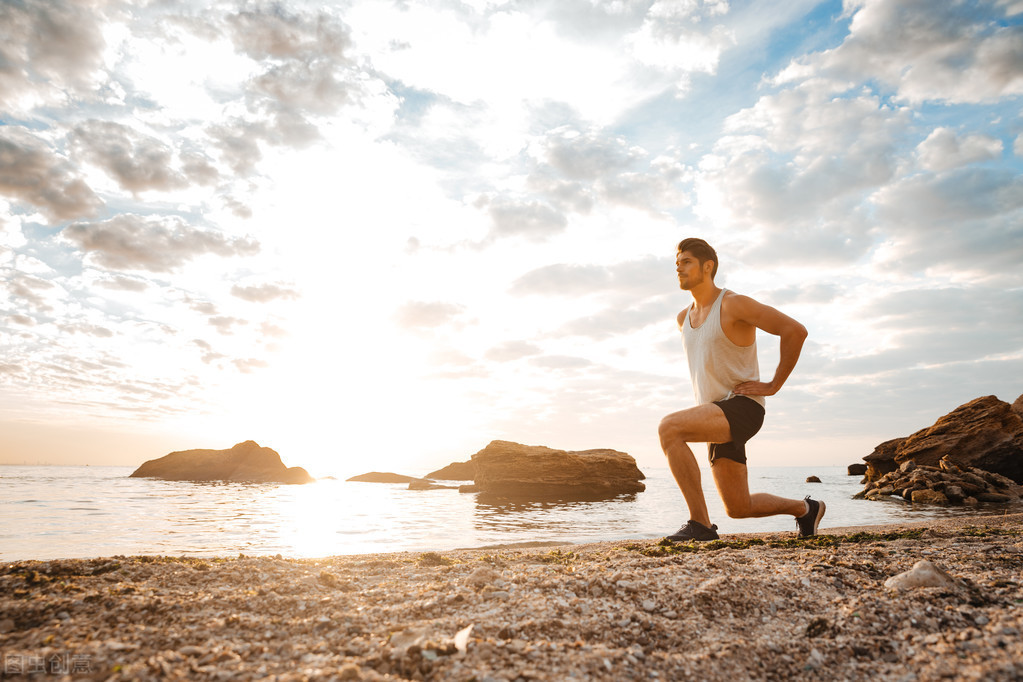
(764, 606)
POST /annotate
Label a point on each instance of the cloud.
(134, 242)
(510, 351)
(560, 362)
(616, 320)
(816, 293)
(225, 324)
(24, 287)
(646, 276)
(534, 220)
(249, 365)
(943, 149)
(138, 162)
(238, 141)
(428, 314)
(85, 328)
(49, 46)
(31, 172)
(576, 169)
(953, 52)
(263, 293)
(305, 69)
(121, 283)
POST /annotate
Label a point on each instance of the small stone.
(649, 605)
(349, 671)
(6, 625)
(923, 574)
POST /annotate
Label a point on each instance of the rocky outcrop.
(858, 469)
(383, 477)
(245, 462)
(985, 434)
(945, 484)
(456, 471)
(423, 484)
(513, 469)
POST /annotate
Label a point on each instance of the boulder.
(857, 469)
(813, 479)
(383, 477)
(456, 471)
(985, 434)
(245, 462)
(513, 469)
(946, 484)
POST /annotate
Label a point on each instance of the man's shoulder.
(738, 305)
(733, 297)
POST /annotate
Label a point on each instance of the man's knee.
(736, 509)
(673, 428)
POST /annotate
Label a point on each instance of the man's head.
(700, 250)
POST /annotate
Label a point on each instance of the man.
(719, 334)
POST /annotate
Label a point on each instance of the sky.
(378, 235)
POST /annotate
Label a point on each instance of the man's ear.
(708, 268)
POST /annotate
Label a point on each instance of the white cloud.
(952, 52)
(133, 242)
(943, 149)
(32, 172)
(50, 50)
(428, 314)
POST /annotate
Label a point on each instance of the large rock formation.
(513, 469)
(945, 484)
(383, 477)
(985, 433)
(456, 471)
(245, 462)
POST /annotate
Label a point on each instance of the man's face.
(690, 274)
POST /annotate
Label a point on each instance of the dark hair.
(701, 250)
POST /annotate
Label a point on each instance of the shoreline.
(753, 605)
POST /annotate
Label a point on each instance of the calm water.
(49, 512)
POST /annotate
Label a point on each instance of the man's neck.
(705, 294)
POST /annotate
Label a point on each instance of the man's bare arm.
(772, 321)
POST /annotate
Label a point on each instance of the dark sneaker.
(694, 530)
(807, 523)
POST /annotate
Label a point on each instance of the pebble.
(923, 574)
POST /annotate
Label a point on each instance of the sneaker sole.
(816, 522)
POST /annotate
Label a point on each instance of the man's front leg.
(701, 424)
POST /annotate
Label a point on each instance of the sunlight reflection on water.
(54, 512)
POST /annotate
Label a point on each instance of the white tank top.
(716, 364)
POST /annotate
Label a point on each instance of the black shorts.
(745, 417)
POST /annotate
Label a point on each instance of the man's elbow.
(798, 332)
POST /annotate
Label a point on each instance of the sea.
(53, 512)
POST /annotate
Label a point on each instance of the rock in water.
(985, 433)
(456, 471)
(923, 574)
(245, 462)
(508, 468)
(383, 477)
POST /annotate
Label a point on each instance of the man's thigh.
(700, 424)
